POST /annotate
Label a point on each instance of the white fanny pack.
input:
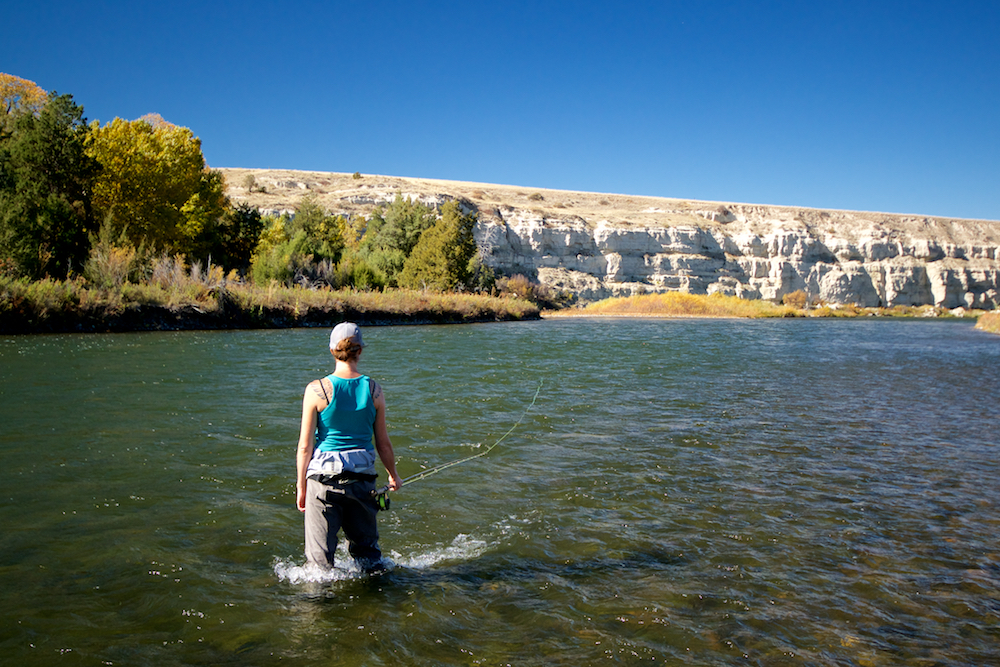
(347, 464)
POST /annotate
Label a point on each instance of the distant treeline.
(109, 204)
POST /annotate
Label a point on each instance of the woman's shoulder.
(375, 388)
(318, 381)
(320, 387)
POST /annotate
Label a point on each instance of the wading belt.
(344, 478)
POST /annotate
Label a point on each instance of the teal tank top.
(348, 421)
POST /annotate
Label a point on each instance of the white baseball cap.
(345, 330)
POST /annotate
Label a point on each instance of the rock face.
(756, 252)
(600, 245)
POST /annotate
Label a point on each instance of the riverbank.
(51, 306)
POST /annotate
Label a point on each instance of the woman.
(336, 456)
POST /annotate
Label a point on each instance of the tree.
(270, 261)
(300, 248)
(393, 232)
(155, 186)
(46, 179)
(324, 231)
(238, 234)
(442, 259)
(17, 97)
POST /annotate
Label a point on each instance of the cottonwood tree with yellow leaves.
(155, 188)
(19, 96)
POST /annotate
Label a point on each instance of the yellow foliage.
(19, 95)
(349, 231)
(110, 266)
(275, 233)
(797, 299)
(155, 185)
(214, 275)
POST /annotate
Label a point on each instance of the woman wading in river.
(336, 457)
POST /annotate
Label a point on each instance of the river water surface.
(682, 492)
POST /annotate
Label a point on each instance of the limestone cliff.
(598, 245)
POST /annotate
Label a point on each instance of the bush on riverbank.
(207, 300)
(989, 322)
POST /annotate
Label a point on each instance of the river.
(763, 492)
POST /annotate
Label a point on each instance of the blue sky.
(886, 106)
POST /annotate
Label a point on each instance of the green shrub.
(293, 249)
(482, 277)
(364, 277)
(112, 263)
(387, 262)
(283, 262)
(322, 234)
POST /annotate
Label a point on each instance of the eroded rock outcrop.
(756, 252)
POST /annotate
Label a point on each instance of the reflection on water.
(705, 492)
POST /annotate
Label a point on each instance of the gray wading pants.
(331, 507)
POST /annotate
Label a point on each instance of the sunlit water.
(683, 491)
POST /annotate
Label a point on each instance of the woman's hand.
(300, 499)
(394, 483)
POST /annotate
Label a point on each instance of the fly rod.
(382, 495)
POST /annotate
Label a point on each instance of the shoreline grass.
(208, 300)
(682, 304)
(55, 306)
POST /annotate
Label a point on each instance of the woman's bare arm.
(383, 445)
(307, 440)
